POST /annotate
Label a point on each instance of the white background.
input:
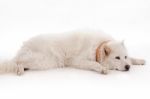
(127, 20)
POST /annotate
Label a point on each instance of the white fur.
(77, 49)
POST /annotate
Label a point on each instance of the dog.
(94, 51)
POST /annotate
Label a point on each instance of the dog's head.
(114, 55)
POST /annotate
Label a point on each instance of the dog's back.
(68, 45)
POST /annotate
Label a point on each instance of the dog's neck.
(98, 51)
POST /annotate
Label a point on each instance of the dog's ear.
(122, 43)
(107, 51)
(102, 53)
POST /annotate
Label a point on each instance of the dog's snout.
(127, 67)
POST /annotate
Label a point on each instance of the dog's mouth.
(122, 70)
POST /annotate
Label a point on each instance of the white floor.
(127, 20)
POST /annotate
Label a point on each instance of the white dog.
(87, 50)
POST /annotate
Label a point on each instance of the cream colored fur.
(77, 49)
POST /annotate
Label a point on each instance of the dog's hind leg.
(135, 61)
(34, 61)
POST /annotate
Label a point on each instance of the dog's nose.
(127, 67)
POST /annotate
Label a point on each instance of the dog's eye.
(117, 57)
(125, 57)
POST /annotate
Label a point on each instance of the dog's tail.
(8, 66)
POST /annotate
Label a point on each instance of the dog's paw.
(140, 62)
(19, 71)
(104, 70)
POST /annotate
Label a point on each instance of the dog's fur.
(87, 50)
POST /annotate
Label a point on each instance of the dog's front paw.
(104, 70)
(140, 62)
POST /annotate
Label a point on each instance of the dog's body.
(87, 50)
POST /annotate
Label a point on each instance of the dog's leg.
(34, 61)
(135, 61)
(19, 70)
(88, 65)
